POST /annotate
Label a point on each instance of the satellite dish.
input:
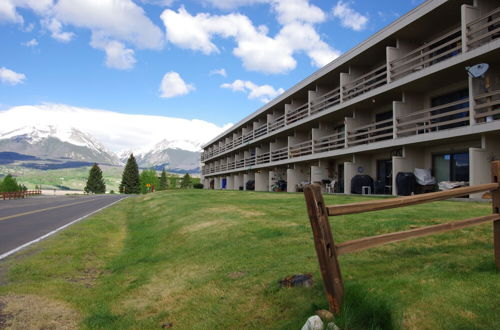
(477, 70)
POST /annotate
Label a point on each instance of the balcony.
(277, 124)
(325, 101)
(430, 53)
(365, 83)
(239, 163)
(297, 114)
(260, 131)
(248, 137)
(329, 142)
(301, 149)
(250, 161)
(238, 141)
(377, 131)
(446, 116)
(264, 158)
(279, 154)
(483, 29)
(487, 107)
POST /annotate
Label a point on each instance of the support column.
(262, 180)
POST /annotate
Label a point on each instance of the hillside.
(213, 259)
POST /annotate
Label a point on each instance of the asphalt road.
(25, 220)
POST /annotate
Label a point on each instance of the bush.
(198, 186)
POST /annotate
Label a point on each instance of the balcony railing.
(301, 149)
(250, 161)
(238, 141)
(260, 131)
(430, 53)
(487, 107)
(380, 130)
(329, 142)
(264, 158)
(297, 114)
(433, 119)
(239, 163)
(278, 123)
(248, 137)
(483, 29)
(279, 154)
(373, 79)
(325, 101)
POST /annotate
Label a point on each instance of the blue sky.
(115, 54)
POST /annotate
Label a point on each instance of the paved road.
(25, 220)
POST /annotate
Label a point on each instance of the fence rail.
(19, 194)
(327, 251)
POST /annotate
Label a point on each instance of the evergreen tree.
(149, 181)
(9, 184)
(163, 181)
(95, 182)
(130, 177)
(186, 181)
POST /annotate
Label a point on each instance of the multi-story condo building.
(403, 99)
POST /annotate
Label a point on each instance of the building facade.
(403, 99)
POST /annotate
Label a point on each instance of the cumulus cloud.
(219, 72)
(11, 77)
(31, 43)
(55, 27)
(349, 17)
(116, 26)
(117, 131)
(173, 85)
(257, 50)
(264, 93)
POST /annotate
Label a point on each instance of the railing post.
(325, 247)
(495, 200)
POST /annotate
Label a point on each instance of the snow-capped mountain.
(57, 142)
(175, 156)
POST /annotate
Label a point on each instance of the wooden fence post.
(495, 201)
(325, 247)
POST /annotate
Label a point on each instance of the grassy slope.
(74, 178)
(212, 259)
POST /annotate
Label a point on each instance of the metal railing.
(446, 116)
(279, 154)
(360, 85)
(432, 52)
(373, 132)
(297, 114)
(325, 101)
(329, 142)
(483, 29)
(487, 107)
(301, 149)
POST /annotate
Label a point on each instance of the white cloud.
(10, 77)
(264, 93)
(109, 21)
(257, 50)
(117, 56)
(117, 131)
(31, 43)
(220, 72)
(349, 17)
(56, 32)
(173, 85)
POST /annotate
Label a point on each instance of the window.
(451, 167)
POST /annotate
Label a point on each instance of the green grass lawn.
(213, 259)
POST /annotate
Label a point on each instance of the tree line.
(134, 182)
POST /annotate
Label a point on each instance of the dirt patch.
(248, 213)
(35, 312)
(203, 225)
(87, 278)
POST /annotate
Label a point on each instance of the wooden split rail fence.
(328, 251)
(20, 194)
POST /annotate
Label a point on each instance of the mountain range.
(48, 147)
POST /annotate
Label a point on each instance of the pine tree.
(95, 182)
(130, 177)
(9, 184)
(186, 181)
(163, 181)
